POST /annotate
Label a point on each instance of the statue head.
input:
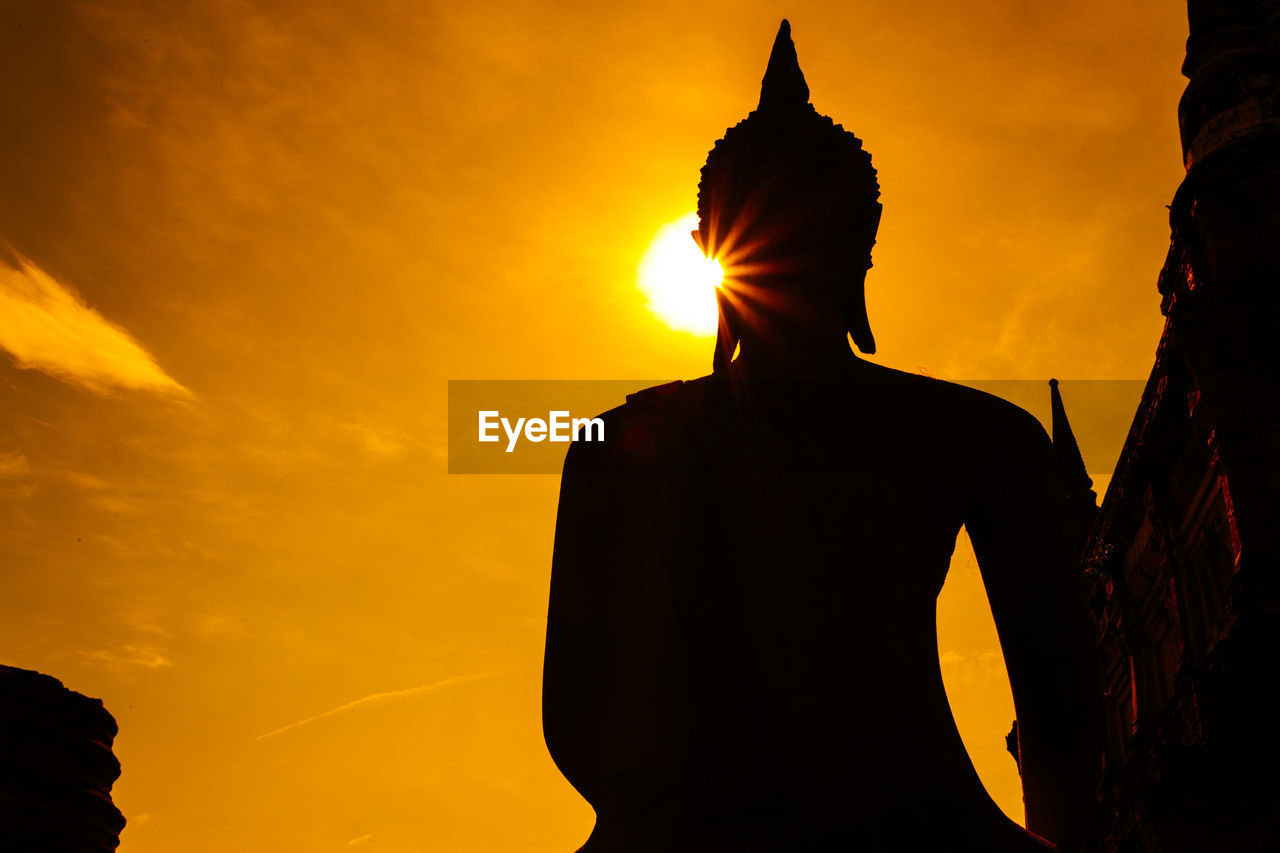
(788, 203)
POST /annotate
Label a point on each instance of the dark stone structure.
(1183, 557)
(1082, 500)
(56, 768)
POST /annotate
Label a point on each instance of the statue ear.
(855, 312)
(696, 234)
(726, 333)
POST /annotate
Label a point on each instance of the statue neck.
(800, 355)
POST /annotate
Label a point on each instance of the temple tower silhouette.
(1183, 561)
(1082, 500)
(56, 768)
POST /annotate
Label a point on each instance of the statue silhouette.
(741, 644)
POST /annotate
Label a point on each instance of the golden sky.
(249, 242)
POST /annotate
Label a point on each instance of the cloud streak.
(128, 656)
(46, 326)
(377, 699)
(13, 463)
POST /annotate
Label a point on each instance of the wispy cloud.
(377, 440)
(46, 326)
(968, 670)
(127, 657)
(377, 699)
(13, 463)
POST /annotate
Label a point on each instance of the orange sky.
(260, 236)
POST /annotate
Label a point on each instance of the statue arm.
(613, 710)
(1018, 525)
(574, 705)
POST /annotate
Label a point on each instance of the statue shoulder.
(1002, 442)
(963, 404)
(1008, 426)
(966, 420)
(671, 402)
(648, 429)
(672, 396)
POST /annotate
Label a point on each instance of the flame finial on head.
(783, 85)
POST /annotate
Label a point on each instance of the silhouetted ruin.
(1082, 500)
(56, 768)
(1184, 560)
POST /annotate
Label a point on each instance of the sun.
(678, 280)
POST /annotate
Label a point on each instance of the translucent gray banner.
(525, 426)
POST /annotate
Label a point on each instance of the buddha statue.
(741, 646)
